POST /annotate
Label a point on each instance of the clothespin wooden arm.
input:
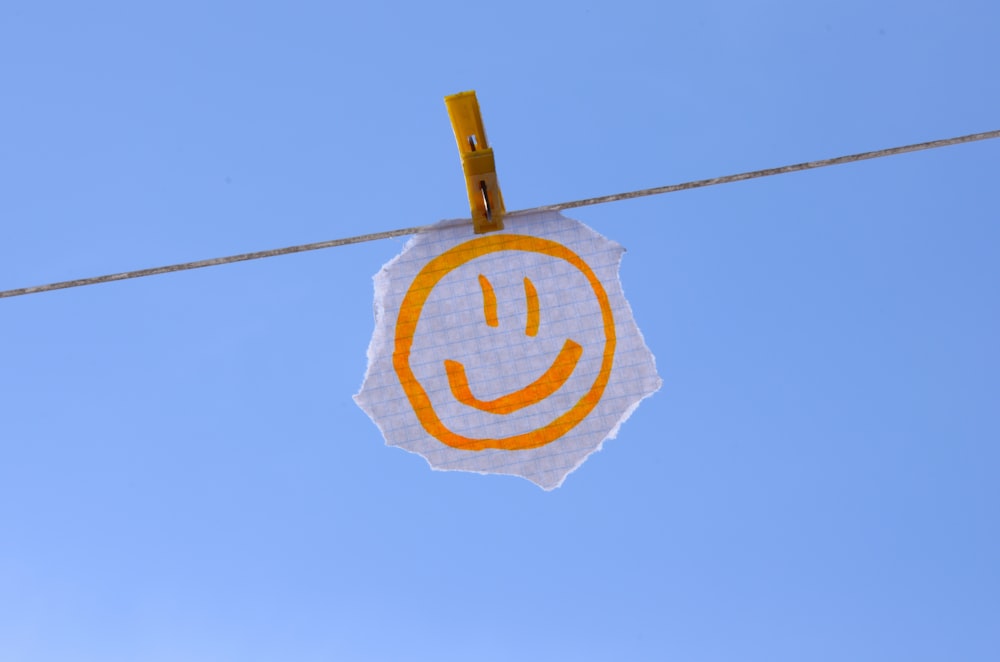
(478, 165)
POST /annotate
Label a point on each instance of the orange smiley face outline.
(406, 325)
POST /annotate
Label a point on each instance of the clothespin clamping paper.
(485, 199)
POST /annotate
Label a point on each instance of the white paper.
(511, 352)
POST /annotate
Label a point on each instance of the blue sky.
(185, 476)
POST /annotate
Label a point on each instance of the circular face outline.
(412, 307)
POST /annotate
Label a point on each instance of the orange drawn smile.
(550, 382)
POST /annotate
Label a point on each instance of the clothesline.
(671, 188)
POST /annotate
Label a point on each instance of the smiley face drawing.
(551, 380)
(510, 352)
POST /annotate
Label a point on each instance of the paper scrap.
(512, 352)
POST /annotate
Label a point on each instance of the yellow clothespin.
(485, 199)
